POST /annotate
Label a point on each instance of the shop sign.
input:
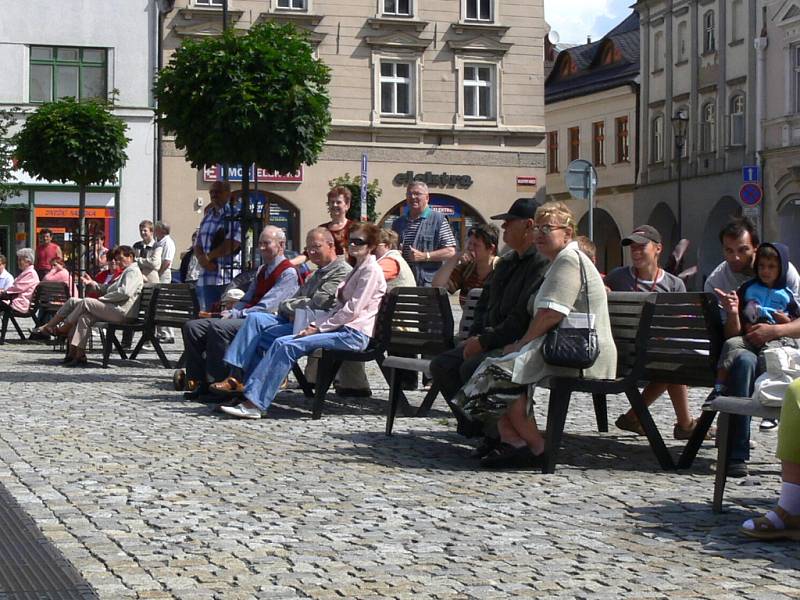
(526, 180)
(447, 207)
(215, 173)
(433, 179)
(68, 212)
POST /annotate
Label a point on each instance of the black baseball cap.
(641, 235)
(523, 208)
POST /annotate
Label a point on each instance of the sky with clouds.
(576, 19)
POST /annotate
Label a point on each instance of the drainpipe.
(760, 44)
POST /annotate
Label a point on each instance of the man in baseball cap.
(500, 316)
(642, 235)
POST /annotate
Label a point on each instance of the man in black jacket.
(501, 315)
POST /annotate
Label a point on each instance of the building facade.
(82, 49)
(778, 92)
(591, 98)
(445, 92)
(697, 59)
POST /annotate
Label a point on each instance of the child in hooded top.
(765, 298)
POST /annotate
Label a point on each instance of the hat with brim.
(642, 235)
(523, 208)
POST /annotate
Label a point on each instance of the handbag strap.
(584, 283)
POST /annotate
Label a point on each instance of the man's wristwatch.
(427, 256)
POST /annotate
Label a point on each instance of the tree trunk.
(248, 250)
(83, 243)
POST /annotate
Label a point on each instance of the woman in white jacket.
(117, 304)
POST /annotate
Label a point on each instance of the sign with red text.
(216, 173)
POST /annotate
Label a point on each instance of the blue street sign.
(364, 163)
(751, 194)
(751, 174)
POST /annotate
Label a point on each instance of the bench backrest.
(147, 301)
(417, 320)
(49, 295)
(685, 339)
(177, 304)
(468, 313)
(630, 314)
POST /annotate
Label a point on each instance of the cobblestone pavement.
(150, 496)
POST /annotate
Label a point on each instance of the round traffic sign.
(751, 194)
(581, 179)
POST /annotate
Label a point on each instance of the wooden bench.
(669, 338)
(468, 313)
(144, 323)
(47, 298)
(421, 324)
(177, 303)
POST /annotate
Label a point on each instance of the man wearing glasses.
(207, 339)
(426, 239)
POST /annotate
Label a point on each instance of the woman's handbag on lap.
(574, 342)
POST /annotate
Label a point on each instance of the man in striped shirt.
(426, 239)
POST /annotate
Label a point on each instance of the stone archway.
(607, 239)
(276, 210)
(663, 219)
(709, 248)
(789, 219)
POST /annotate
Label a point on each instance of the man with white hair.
(426, 239)
(206, 340)
(167, 246)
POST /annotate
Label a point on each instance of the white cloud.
(575, 19)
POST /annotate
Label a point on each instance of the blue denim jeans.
(208, 295)
(265, 380)
(254, 339)
(740, 383)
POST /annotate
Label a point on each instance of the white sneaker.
(241, 411)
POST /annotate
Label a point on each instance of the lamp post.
(679, 123)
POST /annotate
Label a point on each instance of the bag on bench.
(783, 367)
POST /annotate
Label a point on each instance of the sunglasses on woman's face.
(358, 242)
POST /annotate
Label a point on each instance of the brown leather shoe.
(229, 386)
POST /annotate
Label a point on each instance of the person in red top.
(339, 199)
(45, 253)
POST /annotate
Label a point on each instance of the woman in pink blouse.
(21, 291)
(347, 326)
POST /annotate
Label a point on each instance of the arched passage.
(710, 250)
(665, 223)
(460, 214)
(271, 209)
(789, 218)
(607, 239)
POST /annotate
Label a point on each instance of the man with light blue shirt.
(206, 340)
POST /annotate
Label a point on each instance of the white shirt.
(6, 279)
(168, 248)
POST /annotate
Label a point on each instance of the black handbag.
(574, 347)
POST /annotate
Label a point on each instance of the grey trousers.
(205, 342)
(86, 313)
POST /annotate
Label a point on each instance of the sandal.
(764, 529)
(230, 386)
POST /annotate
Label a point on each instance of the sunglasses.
(358, 242)
(547, 229)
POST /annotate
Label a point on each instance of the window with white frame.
(397, 8)
(208, 2)
(397, 88)
(658, 51)
(737, 133)
(479, 10)
(479, 91)
(682, 43)
(292, 4)
(657, 139)
(708, 127)
(709, 34)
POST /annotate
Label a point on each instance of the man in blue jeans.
(739, 241)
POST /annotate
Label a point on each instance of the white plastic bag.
(783, 367)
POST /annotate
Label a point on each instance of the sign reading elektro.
(433, 179)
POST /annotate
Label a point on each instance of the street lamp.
(679, 123)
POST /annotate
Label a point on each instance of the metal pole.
(680, 193)
(590, 187)
(224, 15)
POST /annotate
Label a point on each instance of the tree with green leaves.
(259, 98)
(354, 185)
(75, 141)
(8, 188)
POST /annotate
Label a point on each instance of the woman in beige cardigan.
(501, 388)
(118, 303)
